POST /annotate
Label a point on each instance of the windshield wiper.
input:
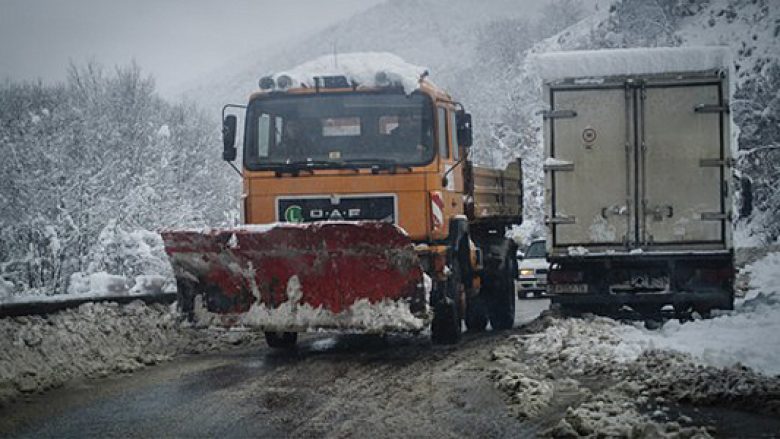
(294, 167)
(378, 164)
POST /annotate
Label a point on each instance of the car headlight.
(526, 272)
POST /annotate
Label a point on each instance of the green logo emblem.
(293, 214)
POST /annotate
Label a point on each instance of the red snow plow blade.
(361, 276)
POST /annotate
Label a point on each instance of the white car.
(532, 269)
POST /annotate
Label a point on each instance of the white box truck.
(638, 190)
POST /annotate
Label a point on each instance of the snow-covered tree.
(100, 152)
(557, 15)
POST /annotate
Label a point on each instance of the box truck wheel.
(281, 340)
(501, 293)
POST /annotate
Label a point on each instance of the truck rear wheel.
(281, 340)
(476, 314)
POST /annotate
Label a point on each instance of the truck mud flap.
(362, 276)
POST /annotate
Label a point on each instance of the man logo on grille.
(293, 214)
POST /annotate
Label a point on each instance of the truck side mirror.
(746, 195)
(465, 135)
(229, 138)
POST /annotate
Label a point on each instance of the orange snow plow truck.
(362, 212)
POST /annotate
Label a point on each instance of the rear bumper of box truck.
(644, 282)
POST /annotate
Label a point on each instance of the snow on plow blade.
(362, 276)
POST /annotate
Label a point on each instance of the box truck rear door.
(682, 166)
(590, 166)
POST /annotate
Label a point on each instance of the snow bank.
(614, 387)
(617, 62)
(539, 370)
(6, 288)
(361, 68)
(105, 283)
(38, 353)
(749, 335)
(151, 284)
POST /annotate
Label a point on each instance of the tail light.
(716, 275)
(565, 277)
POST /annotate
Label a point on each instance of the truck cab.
(338, 152)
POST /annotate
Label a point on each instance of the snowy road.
(336, 386)
(547, 377)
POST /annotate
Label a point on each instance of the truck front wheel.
(185, 298)
(446, 326)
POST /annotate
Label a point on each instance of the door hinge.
(560, 220)
(712, 108)
(559, 114)
(715, 163)
(558, 165)
(715, 216)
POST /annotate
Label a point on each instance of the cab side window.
(453, 135)
(441, 133)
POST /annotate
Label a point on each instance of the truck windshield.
(339, 130)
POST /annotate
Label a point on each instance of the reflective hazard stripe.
(437, 210)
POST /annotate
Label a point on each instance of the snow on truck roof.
(372, 69)
(619, 62)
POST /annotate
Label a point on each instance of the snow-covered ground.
(750, 335)
(624, 380)
(97, 339)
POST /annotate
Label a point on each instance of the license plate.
(569, 288)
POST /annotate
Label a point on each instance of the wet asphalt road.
(340, 386)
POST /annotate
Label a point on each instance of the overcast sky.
(175, 40)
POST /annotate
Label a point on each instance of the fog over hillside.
(439, 34)
(453, 39)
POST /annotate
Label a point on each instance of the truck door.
(449, 155)
(590, 134)
(682, 165)
(638, 164)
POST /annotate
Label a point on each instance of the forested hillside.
(750, 28)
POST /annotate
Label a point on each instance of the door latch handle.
(659, 212)
(606, 212)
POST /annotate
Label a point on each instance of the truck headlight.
(526, 272)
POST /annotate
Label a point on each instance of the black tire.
(476, 314)
(281, 340)
(446, 325)
(501, 293)
(185, 298)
